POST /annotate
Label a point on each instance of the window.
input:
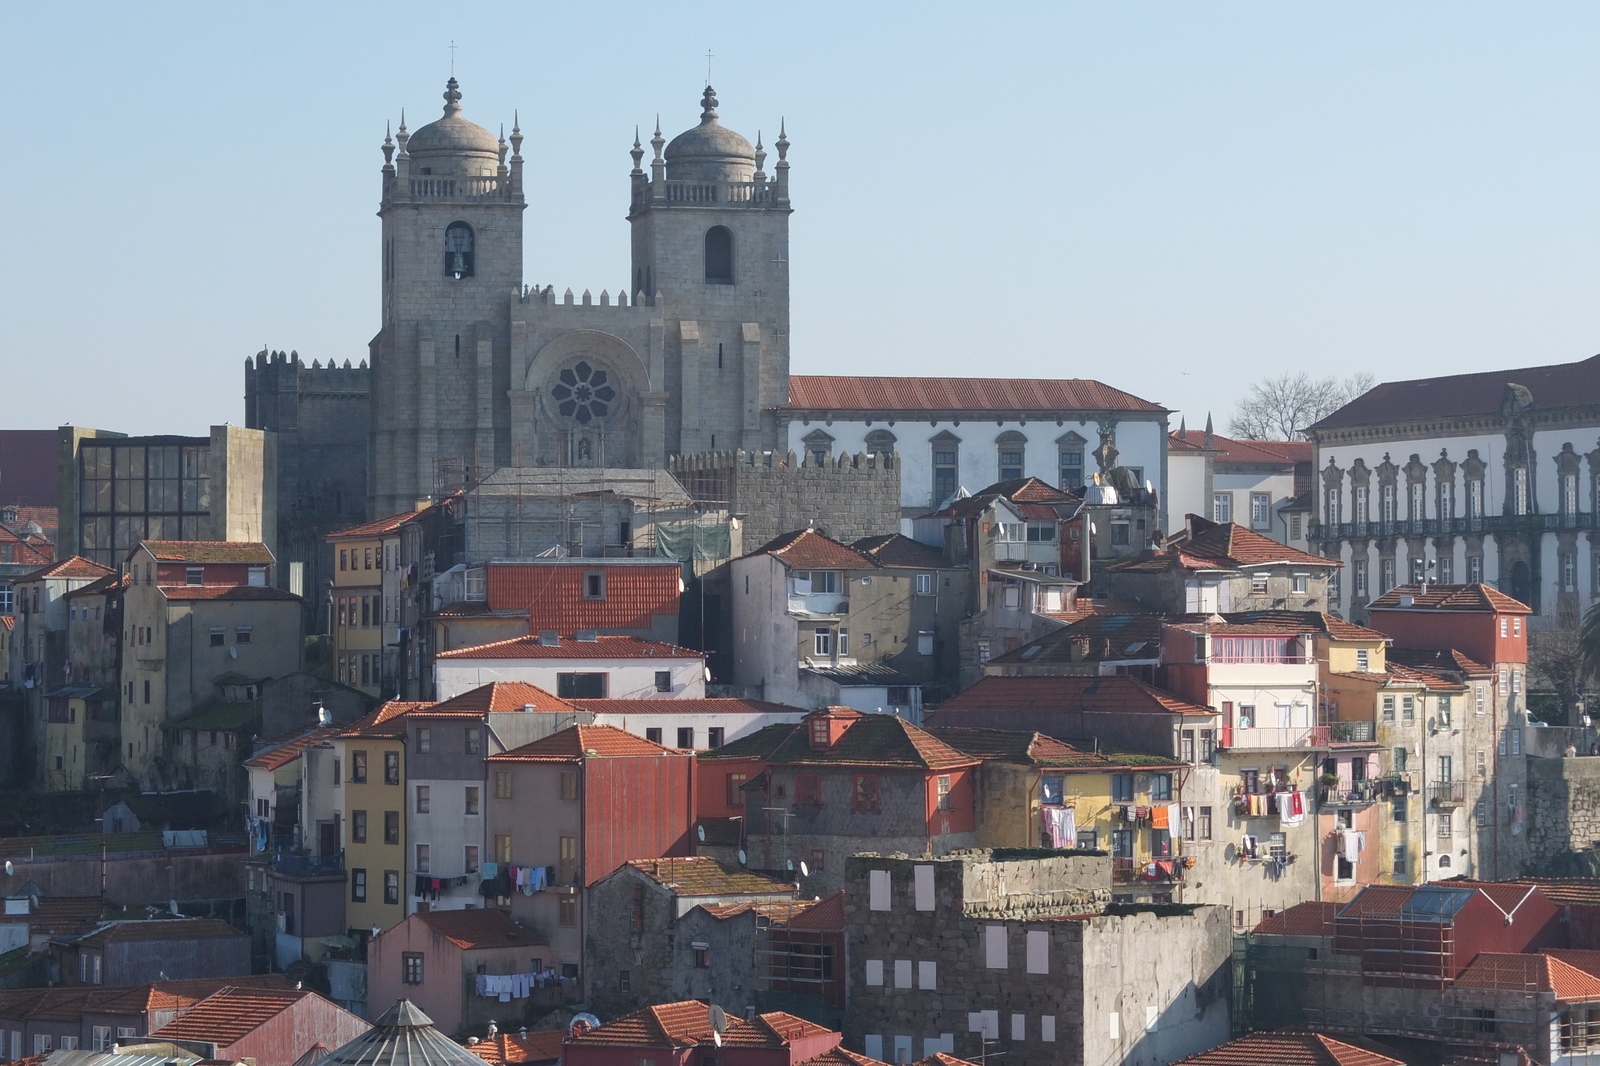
(1363, 660)
(194, 575)
(218, 636)
(1011, 446)
(1258, 584)
(474, 740)
(1188, 823)
(653, 734)
(924, 584)
(1445, 767)
(424, 740)
(1072, 468)
(391, 827)
(502, 784)
(1408, 708)
(1161, 786)
(102, 1038)
(844, 641)
(1050, 790)
(423, 855)
(1474, 569)
(1260, 510)
(1295, 527)
(702, 956)
(1358, 577)
(422, 799)
(458, 253)
(1121, 534)
(663, 680)
(686, 736)
(1203, 823)
(1386, 574)
(1386, 495)
(1208, 745)
(472, 805)
(1222, 507)
(1122, 843)
(241, 634)
(1122, 788)
(719, 256)
(942, 788)
(581, 686)
(714, 736)
(866, 792)
(470, 858)
(1519, 490)
(925, 642)
(1444, 825)
(569, 784)
(1399, 760)
(594, 585)
(502, 848)
(822, 642)
(624, 981)
(735, 782)
(1401, 862)
(1444, 709)
(391, 886)
(567, 870)
(358, 827)
(1300, 583)
(1569, 572)
(1485, 1020)
(1186, 746)
(344, 557)
(567, 914)
(807, 790)
(411, 967)
(391, 768)
(368, 554)
(1400, 810)
(944, 472)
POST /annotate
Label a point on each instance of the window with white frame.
(1386, 497)
(1260, 510)
(1418, 506)
(1300, 583)
(1296, 527)
(924, 584)
(1519, 490)
(822, 642)
(1222, 507)
(1569, 572)
(1474, 569)
(1360, 505)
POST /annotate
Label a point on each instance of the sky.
(1175, 199)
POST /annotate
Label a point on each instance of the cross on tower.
(452, 59)
(708, 66)
(781, 259)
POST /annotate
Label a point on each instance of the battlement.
(547, 297)
(772, 460)
(276, 371)
(850, 496)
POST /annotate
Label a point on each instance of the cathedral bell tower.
(451, 259)
(711, 237)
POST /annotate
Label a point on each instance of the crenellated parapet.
(848, 496)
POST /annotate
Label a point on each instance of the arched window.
(1012, 448)
(458, 249)
(880, 442)
(719, 256)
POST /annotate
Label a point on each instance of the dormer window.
(459, 247)
(194, 575)
(819, 732)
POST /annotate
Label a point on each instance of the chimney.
(1080, 649)
(549, 638)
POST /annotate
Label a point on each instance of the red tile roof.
(553, 594)
(105, 584)
(806, 549)
(35, 551)
(284, 750)
(1557, 385)
(507, 1049)
(939, 1058)
(1451, 660)
(876, 740)
(1308, 622)
(230, 1015)
(1529, 973)
(776, 911)
(378, 528)
(207, 551)
(1476, 597)
(701, 875)
(497, 697)
(899, 550)
(826, 913)
(688, 1024)
(602, 647)
(1035, 749)
(122, 932)
(581, 742)
(68, 1003)
(481, 927)
(1291, 1048)
(382, 722)
(1311, 918)
(1242, 450)
(1123, 694)
(836, 1056)
(252, 593)
(74, 568)
(1228, 545)
(851, 393)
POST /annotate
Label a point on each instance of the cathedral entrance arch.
(579, 403)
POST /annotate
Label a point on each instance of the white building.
(1264, 485)
(1491, 477)
(585, 666)
(689, 723)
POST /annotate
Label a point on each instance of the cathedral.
(473, 370)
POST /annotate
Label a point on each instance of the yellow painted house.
(371, 788)
(366, 610)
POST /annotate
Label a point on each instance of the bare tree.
(1562, 659)
(1281, 408)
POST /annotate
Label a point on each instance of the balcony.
(1166, 870)
(1499, 523)
(1351, 732)
(1448, 793)
(1358, 792)
(307, 865)
(1274, 738)
(1124, 870)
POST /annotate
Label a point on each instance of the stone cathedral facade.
(473, 371)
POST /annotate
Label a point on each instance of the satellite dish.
(233, 653)
(700, 830)
(12, 869)
(716, 1037)
(582, 1023)
(804, 870)
(719, 1022)
(743, 859)
(788, 864)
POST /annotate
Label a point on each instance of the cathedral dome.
(454, 136)
(710, 151)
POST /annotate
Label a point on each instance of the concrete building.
(817, 622)
(1264, 485)
(1488, 477)
(973, 954)
(433, 959)
(605, 797)
(117, 491)
(684, 927)
(582, 666)
(202, 624)
(136, 952)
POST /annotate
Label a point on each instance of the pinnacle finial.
(782, 143)
(761, 159)
(388, 147)
(516, 138)
(1183, 429)
(708, 106)
(637, 152)
(452, 96)
(657, 141)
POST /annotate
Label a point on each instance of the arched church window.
(719, 256)
(458, 250)
(880, 442)
(583, 393)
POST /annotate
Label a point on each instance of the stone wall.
(1563, 807)
(847, 498)
(976, 957)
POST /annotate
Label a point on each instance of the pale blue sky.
(1173, 198)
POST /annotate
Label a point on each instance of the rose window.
(583, 393)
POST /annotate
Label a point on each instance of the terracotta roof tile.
(1452, 661)
(506, 1049)
(879, 740)
(105, 584)
(1036, 749)
(231, 1014)
(758, 745)
(283, 750)
(1292, 1048)
(497, 697)
(1308, 622)
(701, 875)
(480, 927)
(378, 528)
(1240, 450)
(122, 932)
(1557, 385)
(1476, 597)
(566, 647)
(939, 1058)
(850, 393)
(1311, 918)
(837, 1056)
(1508, 972)
(1568, 891)
(1123, 694)
(1230, 545)
(826, 913)
(777, 911)
(806, 549)
(74, 568)
(901, 551)
(553, 594)
(1108, 636)
(688, 1024)
(252, 593)
(382, 722)
(207, 551)
(581, 742)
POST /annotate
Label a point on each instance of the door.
(327, 839)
